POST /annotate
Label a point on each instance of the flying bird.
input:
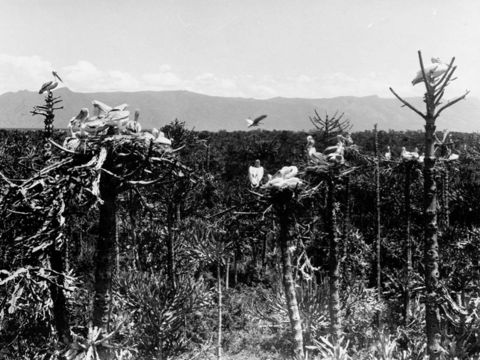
(56, 76)
(432, 71)
(256, 121)
(48, 86)
(255, 174)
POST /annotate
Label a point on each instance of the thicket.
(119, 248)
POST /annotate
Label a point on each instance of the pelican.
(256, 121)
(313, 154)
(337, 155)
(286, 172)
(255, 174)
(432, 71)
(48, 86)
(282, 183)
(407, 155)
(100, 109)
(117, 119)
(55, 76)
(388, 154)
(160, 138)
(134, 127)
(453, 157)
(76, 122)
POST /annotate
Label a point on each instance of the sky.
(242, 48)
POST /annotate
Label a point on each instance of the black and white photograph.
(239, 180)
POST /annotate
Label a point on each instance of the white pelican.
(408, 155)
(286, 172)
(337, 155)
(255, 174)
(432, 71)
(160, 138)
(100, 109)
(75, 123)
(388, 154)
(453, 157)
(256, 121)
(133, 126)
(315, 156)
(282, 183)
(48, 86)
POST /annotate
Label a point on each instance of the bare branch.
(446, 73)
(407, 104)
(62, 148)
(450, 103)
(425, 80)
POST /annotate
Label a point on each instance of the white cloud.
(85, 76)
(29, 72)
(23, 72)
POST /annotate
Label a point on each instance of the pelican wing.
(100, 108)
(249, 122)
(121, 107)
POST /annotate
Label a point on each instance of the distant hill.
(214, 113)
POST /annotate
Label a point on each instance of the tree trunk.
(289, 283)
(333, 263)
(378, 221)
(105, 249)
(431, 244)
(219, 290)
(408, 245)
(60, 312)
(170, 251)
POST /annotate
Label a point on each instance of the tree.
(435, 85)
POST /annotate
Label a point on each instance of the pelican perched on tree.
(256, 121)
(315, 156)
(286, 172)
(388, 154)
(48, 86)
(85, 126)
(284, 178)
(160, 138)
(409, 155)
(338, 151)
(133, 127)
(100, 109)
(432, 71)
(255, 174)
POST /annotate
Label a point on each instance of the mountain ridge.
(214, 113)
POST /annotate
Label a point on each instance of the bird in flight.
(55, 75)
(256, 121)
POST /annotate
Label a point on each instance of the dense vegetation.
(156, 314)
(113, 247)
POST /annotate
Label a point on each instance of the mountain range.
(213, 113)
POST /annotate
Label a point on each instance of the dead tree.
(435, 84)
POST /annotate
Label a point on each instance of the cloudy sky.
(246, 48)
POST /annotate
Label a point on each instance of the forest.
(123, 243)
